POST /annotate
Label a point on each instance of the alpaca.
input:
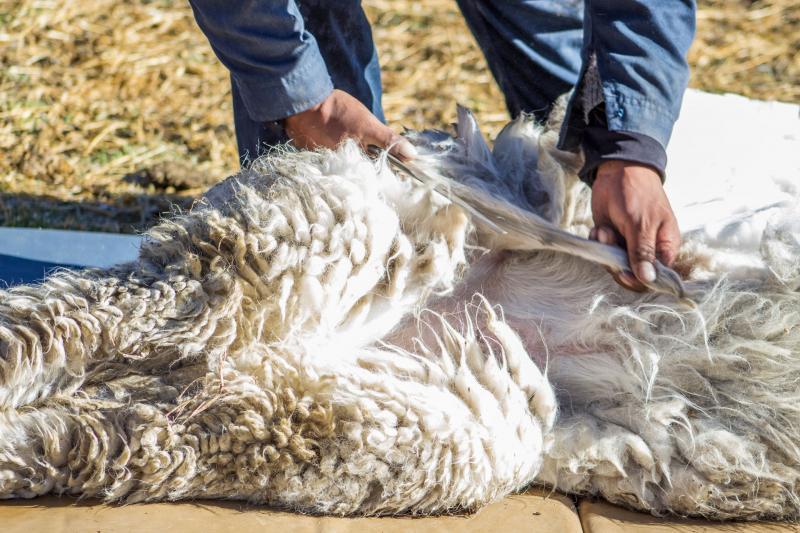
(323, 334)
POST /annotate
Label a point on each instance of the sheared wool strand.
(322, 334)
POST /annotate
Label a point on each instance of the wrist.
(617, 170)
(321, 109)
(600, 145)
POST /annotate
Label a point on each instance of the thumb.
(383, 136)
(642, 252)
(403, 149)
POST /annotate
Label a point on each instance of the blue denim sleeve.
(274, 62)
(634, 62)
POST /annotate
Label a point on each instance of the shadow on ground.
(153, 192)
(124, 213)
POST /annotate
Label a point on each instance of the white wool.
(322, 334)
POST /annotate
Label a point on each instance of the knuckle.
(664, 248)
(644, 251)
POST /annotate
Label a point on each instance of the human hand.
(340, 117)
(631, 209)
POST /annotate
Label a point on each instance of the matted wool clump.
(323, 334)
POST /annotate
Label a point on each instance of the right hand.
(340, 117)
(631, 209)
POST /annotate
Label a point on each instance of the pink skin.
(486, 277)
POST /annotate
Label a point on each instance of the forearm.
(274, 61)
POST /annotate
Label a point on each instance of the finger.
(398, 146)
(641, 242)
(626, 280)
(404, 150)
(606, 235)
(629, 281)
(593, 234)
(668, 241)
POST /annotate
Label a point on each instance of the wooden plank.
(601, 517)
(532, 511)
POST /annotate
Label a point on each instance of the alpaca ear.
(516, 152)
(470, 134)
(516, 149)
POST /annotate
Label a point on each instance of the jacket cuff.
(600, 145)
(275, 98)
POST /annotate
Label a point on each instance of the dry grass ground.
(112, 110)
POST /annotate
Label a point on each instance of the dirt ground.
(111, 111)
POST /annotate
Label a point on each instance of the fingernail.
(647, 272)
(406, 150)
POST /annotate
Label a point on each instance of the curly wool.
(322, 334)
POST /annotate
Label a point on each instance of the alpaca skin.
(324, 335)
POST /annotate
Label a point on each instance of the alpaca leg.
(469, 174)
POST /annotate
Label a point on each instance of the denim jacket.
(627, 98)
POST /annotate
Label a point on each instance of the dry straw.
(111, 110)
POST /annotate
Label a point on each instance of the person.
(308, 71)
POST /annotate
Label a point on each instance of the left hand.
(631, 209)
(339, 117)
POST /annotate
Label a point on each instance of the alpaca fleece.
(322, 334)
